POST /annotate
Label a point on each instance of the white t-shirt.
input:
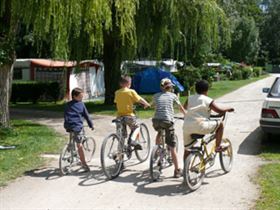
(198, 109)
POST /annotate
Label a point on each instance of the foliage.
(245, 41)
(270, 35)
(30, 141)
(187, 30)
(34, 91)
(257, 71)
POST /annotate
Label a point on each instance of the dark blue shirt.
(74, 113)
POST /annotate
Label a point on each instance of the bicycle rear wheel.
(145, 141)
(111, 156)
(226, 156)
(66, 159)
(156, 163)
(89, 146)
(194, 171)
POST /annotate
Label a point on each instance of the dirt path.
(44, 189)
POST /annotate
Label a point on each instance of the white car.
(270, 121)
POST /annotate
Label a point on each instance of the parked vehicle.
(270, 120)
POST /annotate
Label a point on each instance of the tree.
(183, 29)
(270, 32)
(115, 29)
(245, 41)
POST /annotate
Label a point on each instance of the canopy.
(148, 81)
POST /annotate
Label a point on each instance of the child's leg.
(158, 140)
(81, 154)
(174, 157)
(219, 134)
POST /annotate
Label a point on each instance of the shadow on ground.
(251, 144)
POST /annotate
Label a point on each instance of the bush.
(236, 74)
(32, 91)
(246, 72)
(257, 71)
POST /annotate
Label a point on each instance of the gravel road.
(44, 189)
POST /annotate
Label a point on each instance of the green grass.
(221, 88)
(31, 140)
(218, 89)
(269, 175)
(269, 180)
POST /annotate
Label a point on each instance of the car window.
(275, 89)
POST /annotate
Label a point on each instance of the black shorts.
(168, 126)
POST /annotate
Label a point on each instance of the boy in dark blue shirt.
(74, 113)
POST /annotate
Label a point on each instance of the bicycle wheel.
(226, 156)
(145, 142)
(111, 156)
(194, 171)
(89, 146)
(66, 159)
(156, 163)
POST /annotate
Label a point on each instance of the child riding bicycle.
(197, 120)
(74, 112)
(125, 98)
(164, 119)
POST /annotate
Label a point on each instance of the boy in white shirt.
(197, 120)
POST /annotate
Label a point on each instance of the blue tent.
(148, 81)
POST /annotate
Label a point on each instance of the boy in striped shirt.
(164, 119)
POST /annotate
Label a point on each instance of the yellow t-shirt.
(125, 98)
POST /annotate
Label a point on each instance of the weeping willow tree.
(74, 29)
(183, 29)
(115, 29)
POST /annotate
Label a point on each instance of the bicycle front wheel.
(194, 170)
(145, 142)
(156, 163)
(111, 156)
(89, 146)
(226, 156)
(66, 159)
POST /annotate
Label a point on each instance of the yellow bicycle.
(202, 156)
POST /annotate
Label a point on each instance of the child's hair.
(201, 86)
(76, 91)
(125, 79)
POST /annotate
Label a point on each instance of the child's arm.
(220, 110)
(87, 117)
(144, 103)
(182, 110)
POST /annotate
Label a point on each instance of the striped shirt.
(164, 105)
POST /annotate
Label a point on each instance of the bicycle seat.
(195, 136)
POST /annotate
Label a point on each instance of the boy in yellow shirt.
(125, 98)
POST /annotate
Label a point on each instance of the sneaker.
(85, 168)
(178, 173)
(136, 145)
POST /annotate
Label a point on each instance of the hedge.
(32, 91)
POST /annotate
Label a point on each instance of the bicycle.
(161, 157)
(200, 156)
(69, 156)
(114, 148)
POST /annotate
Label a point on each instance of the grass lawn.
(269, 175)
(218, 89)
(31, 140)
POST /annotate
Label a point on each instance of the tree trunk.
(6, 77)
(112, 65)
(112, 58)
